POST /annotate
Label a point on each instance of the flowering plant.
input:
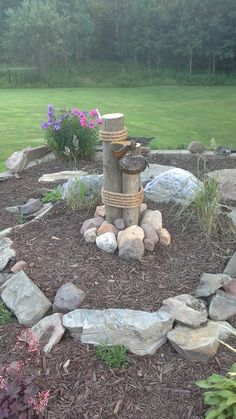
(72, 133)
(19, 395)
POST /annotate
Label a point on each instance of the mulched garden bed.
(151, 387)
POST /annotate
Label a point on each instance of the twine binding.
(107, 136)
(120, 200)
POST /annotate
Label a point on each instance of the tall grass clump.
(76, 197)
(205, 206)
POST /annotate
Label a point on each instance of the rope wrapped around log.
(113, 136)
(120, 200)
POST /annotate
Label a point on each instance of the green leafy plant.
(5, 314)
(20, 219)
(52, 196)
(72, 133)
(221, 395)
(114, 356)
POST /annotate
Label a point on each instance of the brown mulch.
(151, 387)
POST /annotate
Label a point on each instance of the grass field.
(174, 115)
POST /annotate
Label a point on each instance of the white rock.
(51, 327)
(154, 170)
(16, 162)
(6, 232)
(154, 218)
(164, 236)
(90, 235)
(175, 185)
(24, 298)
(6, 252)
(107, 242)
(141, 332)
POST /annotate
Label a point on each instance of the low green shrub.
(5, 314)
(221, 395)
(52, 196)
(114, 356)
(20, 219)
(72, 133)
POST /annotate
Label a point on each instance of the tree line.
(183, 35)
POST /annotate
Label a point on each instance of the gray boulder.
(68, 297)
(230, 268)
(132, 249)
(222, 306)
(30, 207)
(186, 310)
(141, 332)
(5, 176)
(227, 183)
(51, 328)
(16, 162)
(24, 298)
(210, 283)
(199, 344)
(175, 185)
(196, 147)
(91, 186)
(6, 252)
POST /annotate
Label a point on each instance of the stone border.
(25, 159)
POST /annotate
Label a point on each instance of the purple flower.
(50, 111)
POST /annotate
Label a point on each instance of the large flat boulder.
(141, 332)
(186, 310)
(6, 252)
(227, 183)
(87, 187)
(210, 283)
(222, 306)
(34, 153)
(200, 344)
(61, 177)
(175, 185)
(24, 298)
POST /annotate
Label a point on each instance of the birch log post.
(112, 175)
(130, 185)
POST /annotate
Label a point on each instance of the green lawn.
(175, 115)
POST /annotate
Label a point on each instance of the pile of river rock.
(132, 241)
